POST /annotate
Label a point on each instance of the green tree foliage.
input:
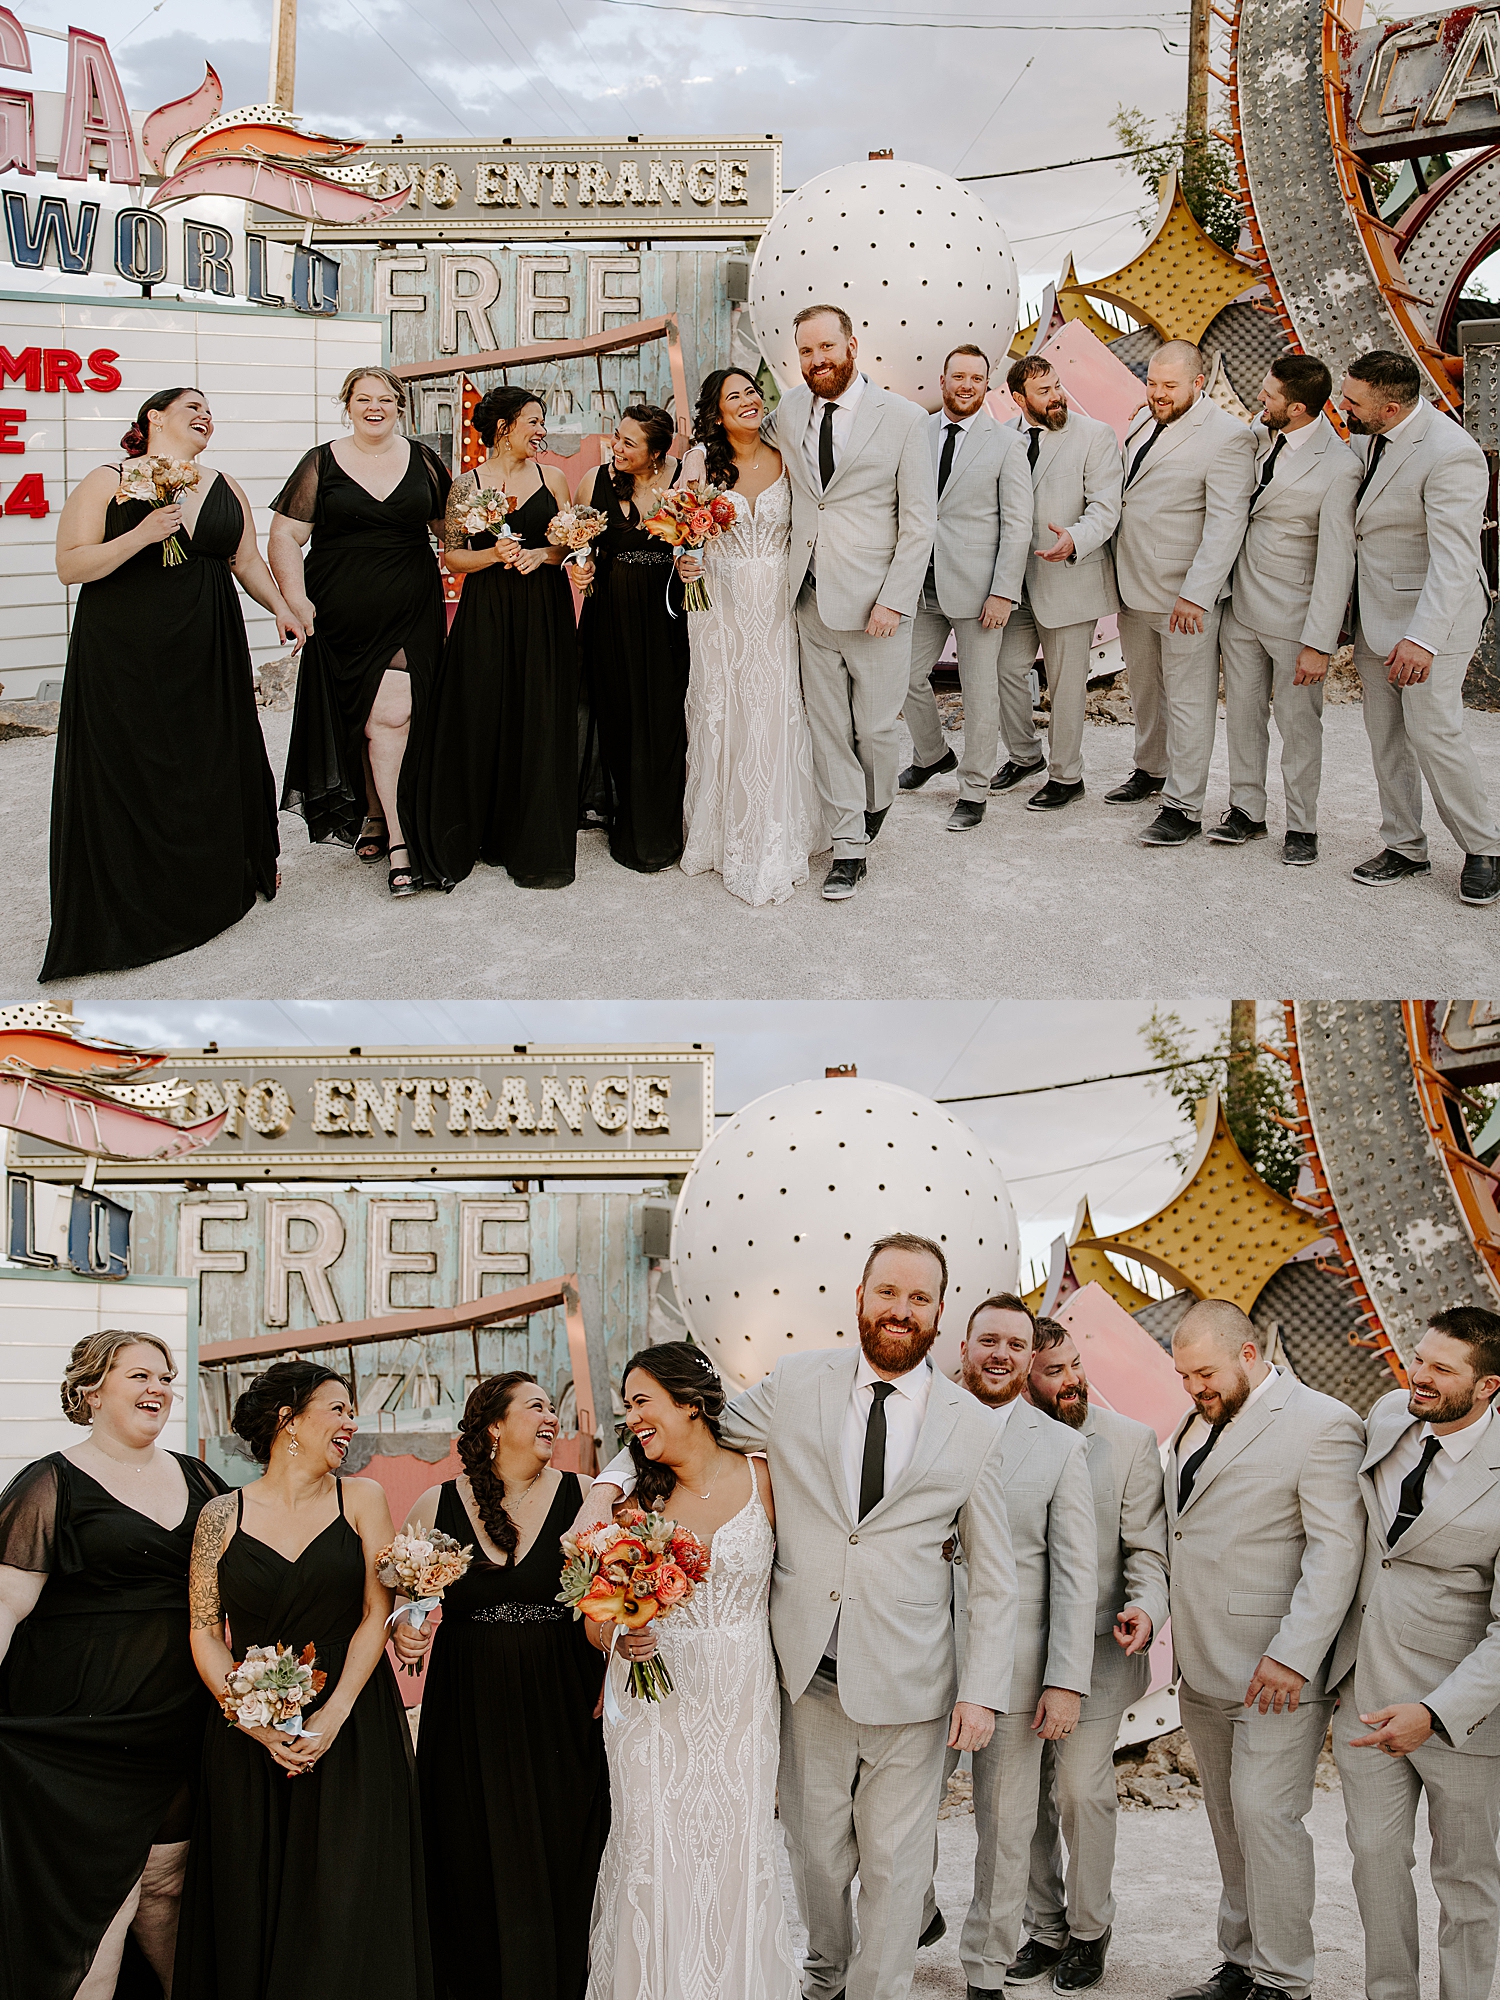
(1260, 1089)
(1205, 169)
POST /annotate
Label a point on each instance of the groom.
(864, 513)
(874, 1457)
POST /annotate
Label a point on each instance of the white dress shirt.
(1404, 1457)
(1295, 439)
(1197, 1431)
(904, 1412)
(965, 425)
(844, 407)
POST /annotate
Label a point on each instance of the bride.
(751, 807)
(689, 1903)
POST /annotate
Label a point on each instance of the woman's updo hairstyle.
(357, 375)
(288, 1385)
(719, 467)
(92, 1359)
(498, 410)
(137, 440)
(490, 1404)
(660, 431)
(692, 1381)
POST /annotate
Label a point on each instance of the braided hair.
(692, 1381)
(708, 427)
(490, 1404)
(659, 430)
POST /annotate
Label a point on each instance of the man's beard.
(1273, 423)
(1231, 1402)
(1055, 418)
(1359, 427)
(979, 1388)
(1068, 1406)
(830, 390)
(1174, 414)
(1447, 1410)
(900, 1353)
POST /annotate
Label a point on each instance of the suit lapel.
(972, 451)
(1394, 454)
(1475, 1475)
(1171, 438)
(791, 427)
(866, 421)
(1245, 1429)
(1290, 467)
(938, 1421)
(1022, 1428)
(834, 1391)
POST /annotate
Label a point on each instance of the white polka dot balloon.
(777, 1216)
(917, 261)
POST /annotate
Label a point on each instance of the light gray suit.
(1416, 543)
(983, 520)
(1078, 1799)
(1264, 1559)
(862, 1761)
(1425, 1626)
(868, 539)
(1076, 485)
(1290, 589)
(1182, 519)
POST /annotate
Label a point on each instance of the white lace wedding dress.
(689, 1903)
(751, 806)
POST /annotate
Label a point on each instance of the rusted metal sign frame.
(1403, 82)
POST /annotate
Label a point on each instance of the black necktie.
(1378, 448)
(1270, 465)
(1033, 445)
(1410, 1504)
(1190, 1469)
(825, 445)
(1135, 463)
(945, 463)
(872, 1468)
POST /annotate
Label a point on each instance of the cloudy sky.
(1113, 1141)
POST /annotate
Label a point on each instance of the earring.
(291, 1440)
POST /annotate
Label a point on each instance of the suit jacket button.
(1385, 1562)
(821, 505)
(1177, 1535)
(833, 1597)
(853, 1539)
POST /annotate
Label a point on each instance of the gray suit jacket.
(1076, 485)
(1416, 538)
(883, 1578)
(1266, 1554)
(1182, 518)
(1425, 1625)
(983, 517)
(874, 526)
(1294, 574)
(1130, 1522)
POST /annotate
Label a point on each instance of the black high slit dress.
(515, 1789)
(163, 803)
(307, 1887)
(102, 1715)
(377, 592)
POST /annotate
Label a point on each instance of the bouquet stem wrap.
(423, 1566)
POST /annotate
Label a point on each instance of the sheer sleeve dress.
(515, 1790)
(374, 582)
(163, 803)
(102, 1715)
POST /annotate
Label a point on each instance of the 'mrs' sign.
(45, 371)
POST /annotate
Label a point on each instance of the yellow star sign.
(1181, 280)
(1090, 1266)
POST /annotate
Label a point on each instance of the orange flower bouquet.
(689, 516)
(573, 528)
(271, 1686)
(160, 482)
(627, 1572)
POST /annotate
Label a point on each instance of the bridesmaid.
(371, 598)
(635, 650)
(515, 1795)
(163, 804)
(302, 1892)
(501, 782)
(101, 1711)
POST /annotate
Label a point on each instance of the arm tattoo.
(460, 495)
(209, 1539)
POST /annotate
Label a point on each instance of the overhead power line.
(869, 21)
(1077, 1083)
(1056, 166)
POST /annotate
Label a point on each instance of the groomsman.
(1419, 1714)
(1189, 473)
(1420, 599)
(973, 580)
(1287, 599)
(1070, 583)
(1266, 1541)
(1068, 1927)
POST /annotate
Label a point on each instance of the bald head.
(1217, 1352)
(1219, 1320)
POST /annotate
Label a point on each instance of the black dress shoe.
(938, 1928)
(1010, 775)
(1300, 850)
(985, 1993)
(1236, 828)
(1480, 881)
(842, 879)
(1170, 828)
(1226, 1982)
(1139, 785)
(1082, 1964)
(967, 813)
(1034, 1960)
(915, 776)
(1388, 866)
(1054, 794)
(874, 822)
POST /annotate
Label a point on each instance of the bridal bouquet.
(160, 482)
(423, 1566)
(573, 528)
(488, 513)
(626, 1573)
(270, 1687)
(689, 516)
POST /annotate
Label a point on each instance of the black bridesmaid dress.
(635, 660)
(500, 783)
(375, 585)
(306, 1888)
(102, 1715)
(515, 1789)
(163, 803)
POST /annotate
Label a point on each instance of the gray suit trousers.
(1416, 733)
(1065, 649)
(979, 677)
(1259, 670)
(1078, 1804)
(858, 1798)
(1380, 1815)
(1258, 1773)
(853, 686)
(1007, 1780)
(1174, 689)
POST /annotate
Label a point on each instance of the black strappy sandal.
(371, 845)
(402, 881)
